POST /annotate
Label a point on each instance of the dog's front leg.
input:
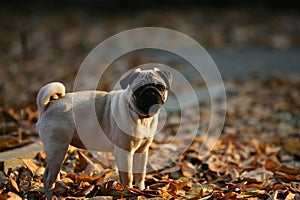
(140, 169)
(124, 161)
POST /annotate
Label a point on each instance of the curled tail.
(49, 92)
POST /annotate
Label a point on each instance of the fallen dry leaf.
(14, 186)
(13, 196)
(254, 193)
(270, 165)
(292, 146)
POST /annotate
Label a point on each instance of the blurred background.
(255, 45)
(43, 41)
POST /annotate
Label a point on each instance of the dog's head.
(148, 90)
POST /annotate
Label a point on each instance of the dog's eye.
(160, 87)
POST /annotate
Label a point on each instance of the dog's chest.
(145, 128)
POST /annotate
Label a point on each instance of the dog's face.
(148, 90)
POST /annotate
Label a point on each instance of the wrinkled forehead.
(148, 77)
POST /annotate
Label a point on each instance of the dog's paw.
(140, 185)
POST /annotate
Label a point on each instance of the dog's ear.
(128, 79)
(166, 76)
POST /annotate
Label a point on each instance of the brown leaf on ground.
(13, 196)
(292, 146)
(272, 166)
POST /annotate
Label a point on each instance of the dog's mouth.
(148, 99)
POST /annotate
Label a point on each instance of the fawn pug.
(128, 119)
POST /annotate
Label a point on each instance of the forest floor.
(256, 156)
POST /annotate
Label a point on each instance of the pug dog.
(128, 119)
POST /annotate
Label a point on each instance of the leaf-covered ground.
(256, 157)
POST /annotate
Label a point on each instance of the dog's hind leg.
(55, 153)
